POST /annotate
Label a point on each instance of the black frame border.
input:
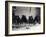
(6, 18)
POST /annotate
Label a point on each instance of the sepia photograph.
(24, 18)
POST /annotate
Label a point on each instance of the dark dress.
(30, 19)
